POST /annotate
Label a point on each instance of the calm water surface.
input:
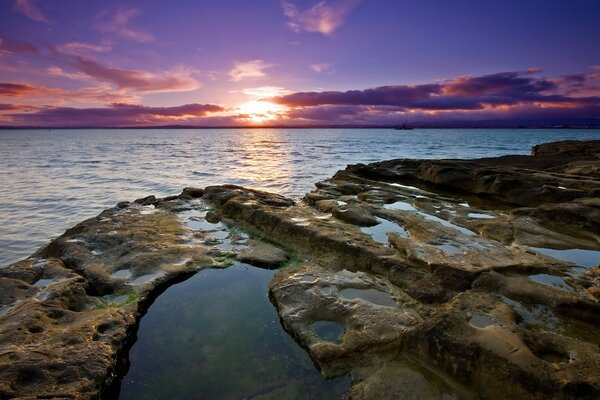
(224, 341)
(51, 180)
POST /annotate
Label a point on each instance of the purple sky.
(277, 62)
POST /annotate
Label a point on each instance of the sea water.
(53, 179)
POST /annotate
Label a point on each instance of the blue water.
(51, 180)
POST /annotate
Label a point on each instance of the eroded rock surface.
(431, 279)
(68, 313)
(443, 279)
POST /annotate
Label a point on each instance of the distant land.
(547, 123)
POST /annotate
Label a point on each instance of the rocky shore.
(424, 279)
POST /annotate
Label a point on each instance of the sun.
(259, 111)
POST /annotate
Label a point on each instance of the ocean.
(53, 179)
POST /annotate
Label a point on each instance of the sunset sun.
(259, 111)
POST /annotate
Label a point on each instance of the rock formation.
(427, 279)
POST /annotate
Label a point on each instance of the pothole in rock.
(448, 248)
(144, 278)
(122, 273)
(446, 223)
(379, 231)
(328, 331)
(374, 296)
(6, 309)
(410, 188)
(536, 316)
(581, 257)
(305, 278)
(400, 206)
(551, 280)
(128, 275)
(44, 282)
(479, 215)
(116, 299)
(224, 342)
(481, 320)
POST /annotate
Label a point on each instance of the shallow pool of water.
(371, 295)
(217, 336)
(551, 280)
(328, 331)
(400, 205)
(584, 258)
(446, 223)
(379, 231)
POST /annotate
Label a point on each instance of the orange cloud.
(18, 89)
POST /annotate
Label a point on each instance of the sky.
(297, 62)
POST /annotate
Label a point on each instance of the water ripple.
(51, 181)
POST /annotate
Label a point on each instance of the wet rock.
(67, 313)
(355, 215)
(146, 201)
(431, 278)
(192, 192)
(262, 254)
(212, 217)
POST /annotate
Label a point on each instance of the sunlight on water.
(50, 181)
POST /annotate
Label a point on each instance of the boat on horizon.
(404, 127)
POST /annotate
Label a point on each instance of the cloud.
(266, 91)
(399, 95)
(324, 17)
(30, 10)
(57, 71)
(17, 89)
(501, 95)
(16, 47)
(115, 115)
(323, 68)
(82, 47)
(502, 84)
(462, 93)
(118, 23)
(249, 70)
(37, 94)
(176, 80)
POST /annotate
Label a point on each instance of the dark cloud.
(115, 115)
(399, 95)
(508, 89)
(506, 84)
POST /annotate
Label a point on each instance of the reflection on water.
(224, 342)
(581, 257)
(50, 181)
(379, 232)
